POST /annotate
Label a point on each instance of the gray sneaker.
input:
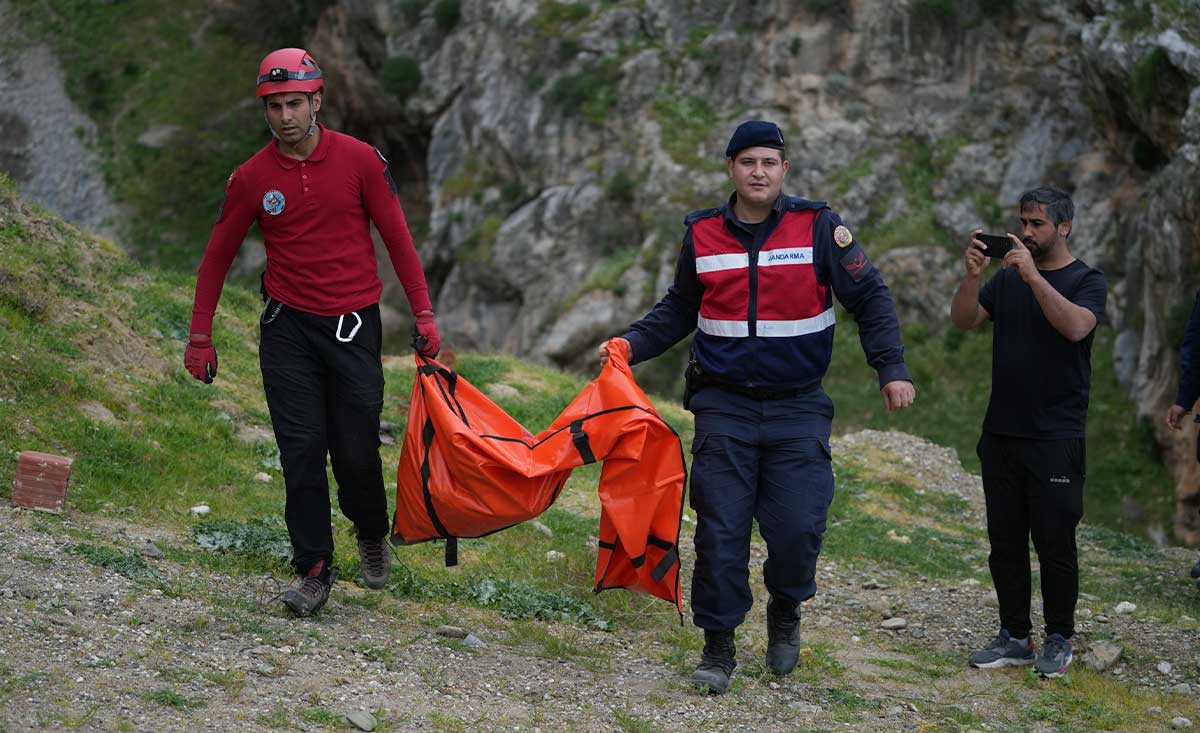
(309, 595)
(375, 560)
(1003, 651)
(1055, 657)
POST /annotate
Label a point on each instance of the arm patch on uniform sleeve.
(855, 263)
(387, 175)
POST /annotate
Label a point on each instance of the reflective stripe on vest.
(786, 256)
(790, 300)
(767, 329)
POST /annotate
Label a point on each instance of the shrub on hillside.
(401, 77)
(446, 14)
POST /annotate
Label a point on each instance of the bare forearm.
(964, 307)
(1072, 321)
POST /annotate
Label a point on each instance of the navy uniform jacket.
(757, 356)
(1189, 360)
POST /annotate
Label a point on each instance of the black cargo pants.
(1033, 489)
(323, 379)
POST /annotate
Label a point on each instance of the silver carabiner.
(353, 331)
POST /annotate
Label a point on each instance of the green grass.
(687, 122)
(817, 664)
(861, 535)
(606, 275)
(129, 564)
(843, 178)
(554, 18)
(1084, 700)
(168, 697)
(631, 723)
(590, 92)
(136, 64)
(566, 645)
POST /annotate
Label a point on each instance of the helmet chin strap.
(312, 124)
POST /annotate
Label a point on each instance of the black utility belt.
(764, 393)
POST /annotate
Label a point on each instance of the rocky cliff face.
(554, 148)
(548, 150)
(1145, 96)
(46, 145)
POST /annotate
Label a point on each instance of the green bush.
(592, 91)
(446, 14)
(822, 7)
(552, 16)
(943, 13)
(690, 120)
(621, 187)
(401, 77)
(411, 10)
(568, 48)
(1145, 76)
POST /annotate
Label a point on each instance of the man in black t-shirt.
(1044, 305)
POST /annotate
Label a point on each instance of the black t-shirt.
(1040, 380)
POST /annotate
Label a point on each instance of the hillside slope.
(122, 625)
(127, 613)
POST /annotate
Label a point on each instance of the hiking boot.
(375, 560)
(1003, 651)
(310, 594)
(1196, 570)
(783, 635)
(1055, 657)
(717, 662)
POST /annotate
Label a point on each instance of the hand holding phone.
(997, 245)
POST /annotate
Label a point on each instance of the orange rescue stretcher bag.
(468, 469)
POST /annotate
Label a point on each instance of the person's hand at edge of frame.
(1175, 415)
(602, 351)
(200, 357)
(898, 395)
(426, 340)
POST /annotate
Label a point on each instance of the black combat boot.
(783, 635)
(309, 595)
(717, 662)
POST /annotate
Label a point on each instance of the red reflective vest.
(776, 295)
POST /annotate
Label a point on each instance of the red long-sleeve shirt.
(315, 216)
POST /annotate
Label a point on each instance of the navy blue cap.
(754, 134)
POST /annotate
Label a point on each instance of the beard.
(1037, 250)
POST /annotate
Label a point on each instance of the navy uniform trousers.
(324, 384)
(764, 460)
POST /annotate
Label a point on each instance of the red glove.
(425, 335)
(200, 358)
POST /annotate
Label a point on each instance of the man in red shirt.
(314, 193)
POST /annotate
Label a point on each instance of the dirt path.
(84, 647)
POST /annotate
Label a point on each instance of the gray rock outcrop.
(48, 144)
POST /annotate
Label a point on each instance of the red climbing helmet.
(288, 70)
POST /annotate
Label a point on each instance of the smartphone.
(998, 245)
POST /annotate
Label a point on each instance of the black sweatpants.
(324, 383)
(1033, 488)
